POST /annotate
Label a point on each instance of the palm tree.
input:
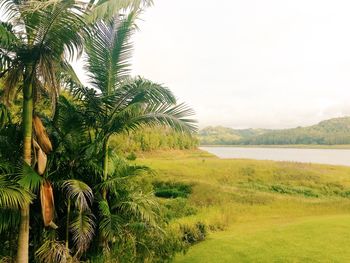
(118, 102)
(34, 40)
(119, 219)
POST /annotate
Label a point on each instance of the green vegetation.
(75, 185)
(258, 211)
(329, 132)
(171, 189)
(67, 195)
(149, 139)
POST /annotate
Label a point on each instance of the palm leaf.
(52, 251)
(137, 115)
(12, 194)
(82, 228)
(109, 52)
(9, 219)
(110, 224)
(118, 172)
(141, 206)
(29, 178)
(106, 9)
(80, 192)
(140, 90)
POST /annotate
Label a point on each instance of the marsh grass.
(260, 211)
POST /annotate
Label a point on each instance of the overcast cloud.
(250, 63)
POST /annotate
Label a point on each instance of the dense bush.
(195, 233)
(172, 189)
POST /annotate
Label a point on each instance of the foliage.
(148, 139)
(36, 45)
(195, 233)
(130, 222)
(12, 194)
(103, 212)
(131, 157)
(177, 208)
(172, 189)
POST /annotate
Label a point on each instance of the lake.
(323, 156)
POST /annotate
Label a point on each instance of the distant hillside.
(329, 132)
(222, 135)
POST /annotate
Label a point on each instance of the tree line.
(150, 139)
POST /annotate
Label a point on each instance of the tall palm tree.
(35, 42)
(118, 102)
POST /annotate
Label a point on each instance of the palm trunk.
(23, 236)
(105, 166)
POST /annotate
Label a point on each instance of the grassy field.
(261, 211)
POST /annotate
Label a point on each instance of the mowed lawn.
(261, 211)
(315, 239)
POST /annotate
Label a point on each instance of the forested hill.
(329, 132)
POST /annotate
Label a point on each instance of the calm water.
(325, 156)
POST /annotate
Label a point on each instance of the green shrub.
(194, 234)
(177, 208)
(172, 189)
(132, 156)
(283, 189)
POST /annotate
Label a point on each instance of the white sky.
(250, 63)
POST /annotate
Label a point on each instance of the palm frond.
(106, 9)
(141, 206)
(110, 224)
(12, 194)
(69, 120)
(119, 171)
(5, 116)
(140, 90)
(80, 192)
(53, 251)
(8, 44)
(29, 178)
(52, 36)
(109, 51)
(10, 9)
(9, 219)
(82, 228)
(7, 36)
(137, 115)
(68, 77)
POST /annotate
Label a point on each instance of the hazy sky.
(250, 63)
